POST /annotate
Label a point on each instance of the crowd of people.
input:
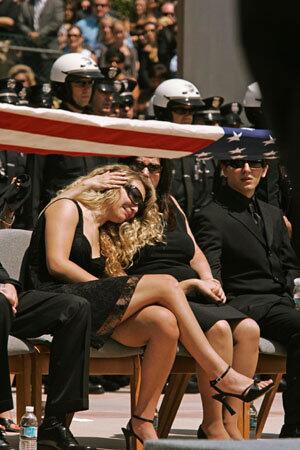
(151, 251)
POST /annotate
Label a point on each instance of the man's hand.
(9, 291)
(33, 35)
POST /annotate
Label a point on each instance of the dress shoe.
(201, 434)
(290, 431)
(55, 434)
(96, 388)
(4, 444)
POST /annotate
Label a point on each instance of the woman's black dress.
(174, 258)
(109, 297)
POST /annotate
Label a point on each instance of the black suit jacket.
(256, 271)
(5, 278)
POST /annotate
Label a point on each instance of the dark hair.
(164, 201)
(159, 70)
(114, 54)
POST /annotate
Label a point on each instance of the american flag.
(49, 131)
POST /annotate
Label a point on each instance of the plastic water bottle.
(28, 431)
(296, 293)
(155, 420)
(253, 420)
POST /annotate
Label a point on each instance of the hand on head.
(106, 180)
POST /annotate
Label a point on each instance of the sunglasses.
(140, 166)
(182, 111)
(101, 5)
(240, 163)
(74, 35)
(83, 83)
(134, 195)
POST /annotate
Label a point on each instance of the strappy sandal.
(129, 433)
(251, 392)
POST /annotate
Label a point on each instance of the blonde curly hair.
(120, 242)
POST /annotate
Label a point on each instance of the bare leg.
(245, 355)
(165, 291)
(220, 337)
(156, 327)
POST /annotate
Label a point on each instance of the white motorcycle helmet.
(253, 96)
(73, 64)
(69, 67)
(175, 92)
(253, 106)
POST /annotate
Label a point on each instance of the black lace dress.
(173, 258)
(109, 297)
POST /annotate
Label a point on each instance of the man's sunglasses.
(139, 166)
(134, 195)
(240, 163)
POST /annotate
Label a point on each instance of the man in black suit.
(67, 318)
(247, 246)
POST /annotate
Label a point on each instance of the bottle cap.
(29, 409)
(297, 281)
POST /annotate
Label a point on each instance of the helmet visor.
(194, 103)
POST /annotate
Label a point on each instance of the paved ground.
(101, 425)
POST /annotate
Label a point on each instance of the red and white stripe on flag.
(48, 131)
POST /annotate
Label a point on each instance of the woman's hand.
(107, 180)
(216, 288)
(209, 288)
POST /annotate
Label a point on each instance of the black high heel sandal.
(129, 434)
(251, 392)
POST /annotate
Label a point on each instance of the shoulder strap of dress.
(64, 198)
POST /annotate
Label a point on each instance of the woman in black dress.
(83, 245)
(234, 336)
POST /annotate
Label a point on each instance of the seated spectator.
(143, 104)
(62, 35)
(75, 43)
(23, 73)
(154, 8)
(157, 74)
(9, 11)
(114, 57)
(167, 34)
(131, 63)
(83, 9)
(40, 25)
(247, 243)
(139, 14)
(70, 12)
(148, 53)
(89, 25)
(107, 39)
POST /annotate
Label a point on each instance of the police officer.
(231, 115)
(72, 78)
(12, 164)
(275, 188)
(177, 101)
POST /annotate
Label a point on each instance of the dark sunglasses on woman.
(139, 166)
(240, 163)
(134, 195)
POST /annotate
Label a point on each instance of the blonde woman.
(83, 245)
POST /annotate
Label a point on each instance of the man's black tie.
(256, 217)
